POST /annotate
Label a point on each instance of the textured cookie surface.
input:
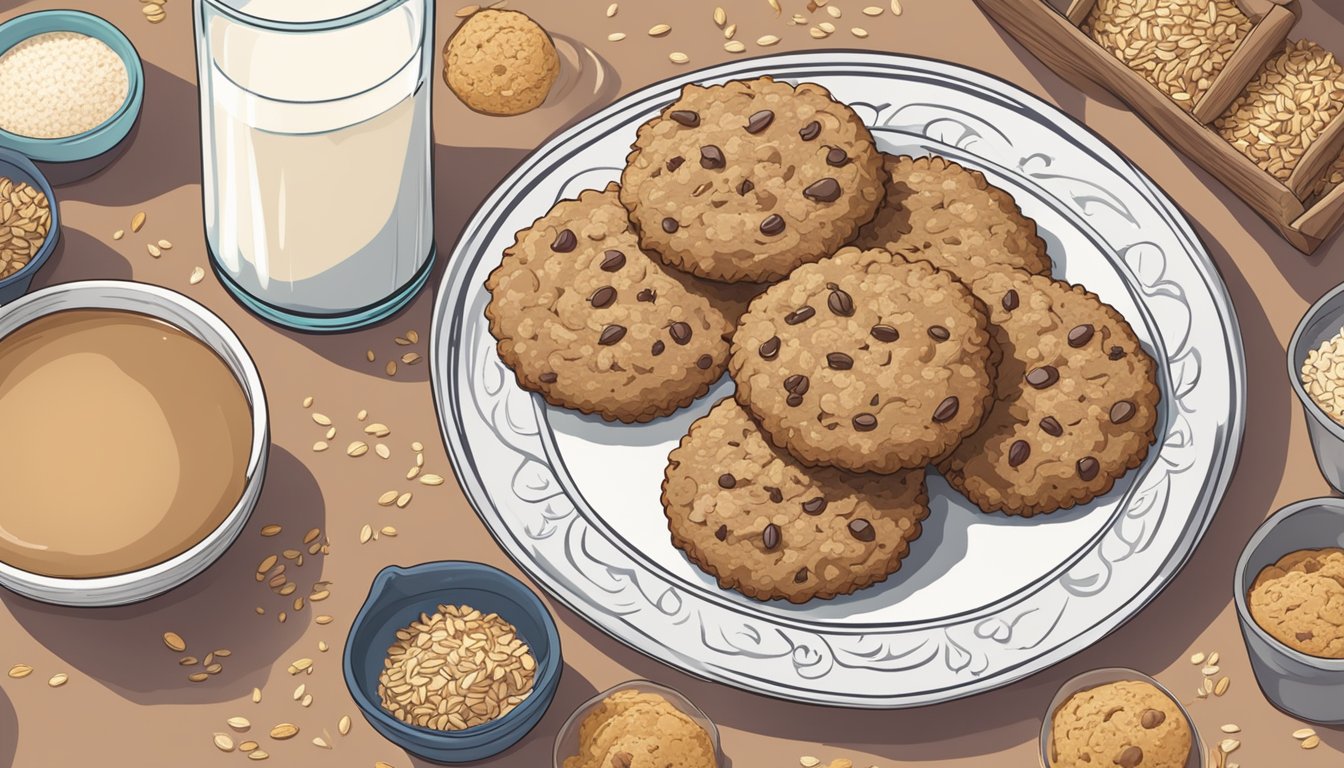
(751, 516)
(593, 323)
(866, 362)
(1075, 402)
(1130, 723)
(1300, 601)
(635, 729)
(500, 63)
(745, 181)
(950, 216)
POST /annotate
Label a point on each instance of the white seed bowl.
(201, 323)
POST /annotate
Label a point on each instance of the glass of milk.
(315, 146)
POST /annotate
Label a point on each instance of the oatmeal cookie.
(635, 729)
(1130, 723)
(1299, 601)
(500, 63)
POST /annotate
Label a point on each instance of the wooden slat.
(1324, 216)
(1265, 39)
(1318, 156)
(1078, 10)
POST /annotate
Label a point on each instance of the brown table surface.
(127, 701)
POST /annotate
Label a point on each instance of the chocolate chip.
(622, 760)
(727, 481)
(711, 157)
(745, 187)
(946, 409)
(1130, 758)
(1303, 637)
(839, 361)
(1088, 468)
(773, 225)
(612, 261)
(1018, 452)
(564, 241)
(794, 400)
(840, 302)
(885, 333)
(675, 163)
(1122, 411)
(800, 576)
(1116, 353)
(875, 399)
(865, 422)
(704, 362)
(670, 225)
(722, 533)
(1051, 427)
(836, 157)
(1080, 335)
(1042, 377)
(770, 536)
(797, 384)
(760, 121)
(686, 117)
(548, 377)
(776, 495)
(939, 333)
(603, 297)
(815, 505)
(611, 334)
(825, 191)
(862, 530)
(658, 347)
(647, 294)
(810, 131)
(799, 315)
(1151, 718)
(681, 333)
(1010, 300)
(770, 348)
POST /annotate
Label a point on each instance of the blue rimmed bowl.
(397, 598)
(73, 157)
(18, 168)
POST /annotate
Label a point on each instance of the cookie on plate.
(500, 63)
(747, 180)
(1128, 723)
(591, 322)
(751, 516)
(1075, 403)
(950, 216)
(865, 361)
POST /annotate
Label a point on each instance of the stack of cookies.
(878, 314)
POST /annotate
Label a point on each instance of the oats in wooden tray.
(1330, 179)
(1285, 107)
(1178, 45)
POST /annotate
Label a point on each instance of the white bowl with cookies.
(1296, 644)
(1118, 716)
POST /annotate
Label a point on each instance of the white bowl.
(192, 318)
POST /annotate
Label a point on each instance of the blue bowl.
(101, 139)
(19, 168)
(398, 597)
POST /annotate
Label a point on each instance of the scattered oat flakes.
(321, 419)
(320, 446)
(859, 32)
(256, 695)
(58, 679)
(766, 40)
(896, 7)
(387, 499)
(1197, 659)
(20, 671)
(239, 723)
(431, 479)
(1311, 742)
(734, 46)
(872, 10)
(322, 646)
(403, 500)
(257, 754)
(153, 250)
(658, 30)
(223, 742)
(165, 245)
(138, 221)
(389, 530)
(1231, 728)
(344, 725)
(833, 11)
(720, 16)
(174, 642)
(808, 761)
(616, 37)
(357, 448)
(1228, 746)
(323, 620)
(383, 451)
(1221, 687)
(467, 10)
(197, 275)
(1303, 733)
(320, 742)
(391, 368)
(775, 4)
(120, 233)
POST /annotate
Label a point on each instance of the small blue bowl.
(397, 598)
(16, 167)
(101, 140)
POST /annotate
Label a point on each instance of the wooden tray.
(1051, 29)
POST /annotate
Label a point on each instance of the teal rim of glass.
(374, 9)
(328, 323)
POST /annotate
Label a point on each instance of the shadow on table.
(537, 747)
(163, 152)
(86, 250)
(463, 177)
(123, 647)
(9, 732)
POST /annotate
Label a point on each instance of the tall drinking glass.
(315, 146)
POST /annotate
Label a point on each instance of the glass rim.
(373, 9)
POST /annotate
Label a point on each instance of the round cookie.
(866, 362)
(937, 211)
(500, 63)
(591, 322)
(747, 180)
(1129, 723)
(1075, 400)
(641, 730)
(1299, 601)
(751, 516)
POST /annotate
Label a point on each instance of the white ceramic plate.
(983, 599)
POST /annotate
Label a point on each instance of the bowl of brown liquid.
(136, 438)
